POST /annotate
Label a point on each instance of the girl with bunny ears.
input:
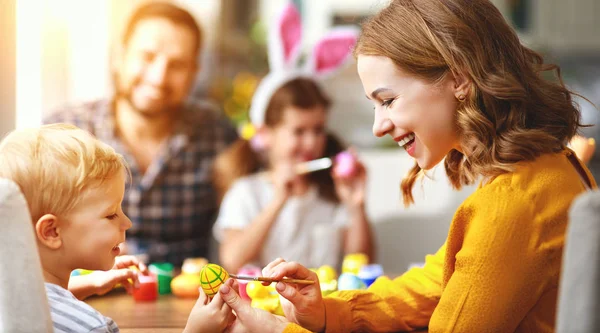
(268, 210)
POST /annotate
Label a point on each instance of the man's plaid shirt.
(173, 205)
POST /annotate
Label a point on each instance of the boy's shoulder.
(72, 315)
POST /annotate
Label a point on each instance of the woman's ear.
(47, 231)
(461, 86)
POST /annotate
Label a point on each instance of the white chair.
(579, 292)
(23, 302)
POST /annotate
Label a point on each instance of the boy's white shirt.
(309, 229)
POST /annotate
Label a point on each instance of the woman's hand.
(302, 304)
(249, 319)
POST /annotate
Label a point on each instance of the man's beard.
(126, 94)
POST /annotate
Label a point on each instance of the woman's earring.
(461, 97)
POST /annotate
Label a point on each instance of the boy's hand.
(104, 282)
(209, 316)
(99, 282)
(121, 273)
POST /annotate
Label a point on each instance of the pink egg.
(345, 164)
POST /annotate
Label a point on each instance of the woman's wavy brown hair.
(511, 113)
(240, 159)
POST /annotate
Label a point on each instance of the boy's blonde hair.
(54, 164)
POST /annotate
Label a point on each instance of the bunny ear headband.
(328, 55)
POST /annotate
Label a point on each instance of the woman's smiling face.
(419, 115)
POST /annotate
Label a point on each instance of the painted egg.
(348, 281)
(212, 276)
(345, 164)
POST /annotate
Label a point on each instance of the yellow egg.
(271, 305)
(353, 262)
(326, 273)
(256, 290)
(193, 265)
(328, 287)
(212, 276)
(186, 285)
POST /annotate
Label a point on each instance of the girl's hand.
(351, 188)
(283, 176)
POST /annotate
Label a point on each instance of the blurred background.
(58, 52)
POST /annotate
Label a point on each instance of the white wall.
(7, 66)
(62, 55)
(64, 50)
(406, 235)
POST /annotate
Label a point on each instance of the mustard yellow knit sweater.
(498, 270)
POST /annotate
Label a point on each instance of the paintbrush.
(314, 165)
(266, 279)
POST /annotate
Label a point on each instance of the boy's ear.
(47, 231)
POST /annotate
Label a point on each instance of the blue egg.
(369, 273)
(348, 281)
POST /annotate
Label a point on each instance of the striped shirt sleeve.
(70, 315)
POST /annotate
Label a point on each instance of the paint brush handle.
(266, 279)
(314, 165)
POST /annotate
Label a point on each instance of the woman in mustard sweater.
(450, 79)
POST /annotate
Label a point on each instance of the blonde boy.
(74, 185)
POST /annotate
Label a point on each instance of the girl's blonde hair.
(511, 114)
(54, 164)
